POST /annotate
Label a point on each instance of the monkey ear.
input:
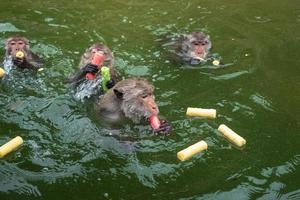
(118, 93)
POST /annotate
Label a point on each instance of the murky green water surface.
(69, 154)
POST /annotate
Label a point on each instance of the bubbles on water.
(38, 12)
(48, 19)
(59, 25)
(125, 19)
(259, 19)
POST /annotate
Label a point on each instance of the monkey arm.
(77, 78)
(90, 68)
(80, 75)
(18, 61)
(115, 75)
(34, 65)
(31, 62)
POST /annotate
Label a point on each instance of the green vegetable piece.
(105, 77)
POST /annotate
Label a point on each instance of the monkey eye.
(202, 43)
(20, 43)
(144, 96)
(96, 50)
(12, 43)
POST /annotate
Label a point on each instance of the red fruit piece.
(154, 122)
(97, 59)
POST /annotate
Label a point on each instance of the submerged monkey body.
(15, 45)
(192, 48)
(112, 111)
(131, 98)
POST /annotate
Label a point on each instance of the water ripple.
(8, 27)
(262, 101)
(11, 181)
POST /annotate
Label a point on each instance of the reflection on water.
(268, 185)
(8, 27)
(230, 76)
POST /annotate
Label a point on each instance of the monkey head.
(136, 98)
(195, 47)
(15, 44)
(99, 49)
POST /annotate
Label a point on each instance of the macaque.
(134, 99)
(193, 48)
(86, 66)
(28, 59)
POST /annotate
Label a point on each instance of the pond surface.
(67, 152)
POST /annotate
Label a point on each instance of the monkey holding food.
(132, 98)
(18, 49)
(91, 66)
(192, 48)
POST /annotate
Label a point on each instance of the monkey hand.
(90, 68)
(18, 61)
(164, 129)
(110, 84)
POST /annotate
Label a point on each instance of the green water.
(68, 154)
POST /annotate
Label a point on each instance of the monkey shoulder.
(108, 103)
(33, 61)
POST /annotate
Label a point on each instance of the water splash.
(88, 88)
(8, 64)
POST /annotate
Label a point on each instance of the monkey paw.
(18, 61)
(164, 129)
(110, 84)
(90, 68)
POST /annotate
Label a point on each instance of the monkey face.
(97, 50)
(140, 107)
(199, 50)
(196, 48)
(13, 45)
(149, 104)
